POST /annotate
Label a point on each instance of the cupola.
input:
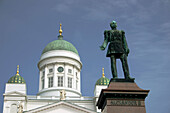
(17, 79)
(103, 80)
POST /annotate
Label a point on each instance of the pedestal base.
(122, 96)
(122, 80)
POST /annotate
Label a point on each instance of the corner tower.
(15, 93)
(101, 83)
(59, 69)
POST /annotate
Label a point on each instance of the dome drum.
(60, 56)
(56, 92)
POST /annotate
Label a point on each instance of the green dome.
(60, 44)
(103, 81)
(16, 79)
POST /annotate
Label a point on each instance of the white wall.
(33, 104)
(15, 87)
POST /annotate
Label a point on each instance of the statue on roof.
(117, 49)
(20, 108)
(62, 95)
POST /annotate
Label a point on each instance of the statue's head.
(113, 24)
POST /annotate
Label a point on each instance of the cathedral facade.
(59, 84)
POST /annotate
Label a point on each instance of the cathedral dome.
(60, 65)
(103, 80)
(60, 44)
(17, 78)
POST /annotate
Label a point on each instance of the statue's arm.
(125, 46)
(106, 37)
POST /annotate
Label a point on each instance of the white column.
(65, 75)
(40, 84)
(55, 75)
(25, 104)
(79, 82)
(46, 78)
(74, 77)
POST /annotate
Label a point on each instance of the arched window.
(13, 108)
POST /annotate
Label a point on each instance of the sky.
(27, 26)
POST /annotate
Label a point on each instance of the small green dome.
(60, 44)
(103, 81)
(16, 79)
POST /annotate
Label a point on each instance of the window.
(76, 75)
(50, 82)
(69, 82)
(13, 108)
(60, 69)
(76, 84)
(69, 71)
(60, 81)
(50, 70)
(42, 83)
(43, 73)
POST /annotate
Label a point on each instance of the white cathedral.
(59, 84)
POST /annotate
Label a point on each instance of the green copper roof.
(16, 79)
(60, 44)
(103, 81)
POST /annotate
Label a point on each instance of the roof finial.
(60, 31)
(17, 70)
(103, 72)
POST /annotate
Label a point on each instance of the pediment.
(14, 93)
(61, 107)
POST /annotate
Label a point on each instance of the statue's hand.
(123, 32)
(127, 51)
(102, 48)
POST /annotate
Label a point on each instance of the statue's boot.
(128, 77)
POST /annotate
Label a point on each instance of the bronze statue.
(118, 48)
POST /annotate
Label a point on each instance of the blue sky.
(27, 26)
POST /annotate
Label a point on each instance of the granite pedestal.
(122, 96)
